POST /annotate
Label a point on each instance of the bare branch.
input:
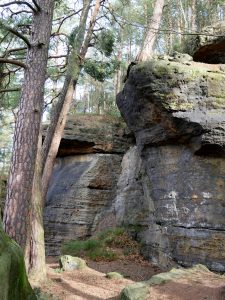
(57, 56)
(36, 5)
(67, 17)
(58, 34)
(20, 12)
(10, 90)
(8, 52)
(19, 2)
(15, 32)
(12, 62)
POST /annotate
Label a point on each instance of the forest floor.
(91, 283)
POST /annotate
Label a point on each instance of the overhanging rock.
(177, 112)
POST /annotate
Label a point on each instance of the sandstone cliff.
(177, 113)
(84, 179)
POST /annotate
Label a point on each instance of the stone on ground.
(136, 291)
(140, 290)
(114, 275)
(70, 263)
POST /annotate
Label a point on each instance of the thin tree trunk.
(184, 15)
(153, 27)
(75, 64)
(17, 215)
(193, 16)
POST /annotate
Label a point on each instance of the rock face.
(94, 134)
(177, 113)
(83, 185)
(14, 283)
(209, 47)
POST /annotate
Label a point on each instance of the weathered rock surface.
(94, 134)
(114, 275)
(13, 279)
(209, 46)
(133, 204)
(71, 263)
(83, 186)
(177, 112)
(142, 291)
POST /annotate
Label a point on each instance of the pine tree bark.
(35, 248)
(153, 27)
(17, 214)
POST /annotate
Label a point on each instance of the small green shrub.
(98, 248)
(109, 235)
(102, 253)
(78, 248)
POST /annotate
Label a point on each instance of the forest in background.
(116, 42)
(91, 44)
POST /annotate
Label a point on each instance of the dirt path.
(91, 283)
(87, 284)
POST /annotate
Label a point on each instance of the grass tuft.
(102, 246)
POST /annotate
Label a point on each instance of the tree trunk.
(193, 16)
(153, 27)
(75, 64)
(17, 215)
(36, 260)
(35, 249)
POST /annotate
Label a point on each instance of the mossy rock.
(14, 284)
(70, 263)
(114, 275)
(136, 291)
(140, 290)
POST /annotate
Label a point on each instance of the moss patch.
(14, 283)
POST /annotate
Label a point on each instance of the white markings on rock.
(206, 195)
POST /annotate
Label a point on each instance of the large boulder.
(13, 279)
(177, 113)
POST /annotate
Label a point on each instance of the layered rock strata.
(177, 113)
(83, 183)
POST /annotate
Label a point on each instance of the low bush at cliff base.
(107, 245)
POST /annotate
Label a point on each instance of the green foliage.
(73, 35)
(92, 248)
(103, 254)
(76, 248)
(109, 235)
(96, 248)
(100, 70)
(105, 42)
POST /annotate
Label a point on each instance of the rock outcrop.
(209, 46)
(84, 179)
(177, 113)
(145, 290)
(14, 283)
(85, 134)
